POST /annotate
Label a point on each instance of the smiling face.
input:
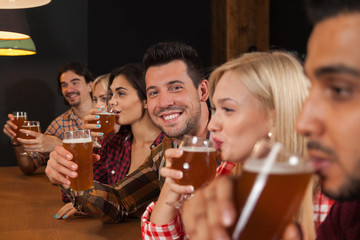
(173, 101)
(331, 115)
(239, 120)
(125, 101)
(74, 88)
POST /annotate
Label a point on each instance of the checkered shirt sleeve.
(322, 206)
(174, 229)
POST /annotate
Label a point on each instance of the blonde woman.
(254, 95)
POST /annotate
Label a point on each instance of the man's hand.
(210, 211)
(9, 127)
(41, 143)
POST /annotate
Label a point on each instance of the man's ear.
(203, 90)
(90, 84)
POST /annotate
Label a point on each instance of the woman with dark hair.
(124, 151)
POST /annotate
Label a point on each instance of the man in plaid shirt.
(176, 96)
(74, 84)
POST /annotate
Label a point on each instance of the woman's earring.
(270, 135)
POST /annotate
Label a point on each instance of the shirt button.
(152, 146)
(112, 171)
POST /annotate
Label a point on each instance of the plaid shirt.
(322, 206)
(174, 229)
(67, 121)
(130, 195)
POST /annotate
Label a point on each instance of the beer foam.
(77, 140)
(278, 168)
(198, 149)
(105, 113)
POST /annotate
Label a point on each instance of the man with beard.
(74, 84)
(176, 99)
(330, 119)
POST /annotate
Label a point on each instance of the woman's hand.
(67, 211)
(92, 116)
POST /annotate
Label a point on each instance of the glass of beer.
(19, 118)
(269, 191)
(106, 121)
(32, 126)
(198, 164)
(79, 143)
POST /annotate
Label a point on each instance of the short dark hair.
(165, 52)
(318, 10)
(78, 68)
(133, 72)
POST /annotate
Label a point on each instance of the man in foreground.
(330, 119)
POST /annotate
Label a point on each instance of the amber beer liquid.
(81, 148)
(18, 121)
(106, 120)
(198, 165)
(31, 128)
(277, 204)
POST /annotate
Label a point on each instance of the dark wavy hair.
(166, 52)
(133, 72)
(318, 10)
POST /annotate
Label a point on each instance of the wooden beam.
(238, 26)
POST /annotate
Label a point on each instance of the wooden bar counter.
(28, 204)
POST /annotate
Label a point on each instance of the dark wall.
(289, 27)
(28, 83)
(121, 31)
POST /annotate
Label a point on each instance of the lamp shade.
(17, 47)
(16, 4)
(13, 25)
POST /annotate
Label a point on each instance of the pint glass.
(198, 164)
(29, 125)
(269, 191)
(19, 118)
(80, 145)
(106, 122)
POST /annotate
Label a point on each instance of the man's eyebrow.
(120, 88)
(149, 88)
(174, 82)
(337, 69)
(75, 79)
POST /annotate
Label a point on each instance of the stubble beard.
(190, 126)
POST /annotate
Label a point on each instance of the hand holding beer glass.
(79, 143)
(269, 191)
(31, 126)
(105, 121)
(198, 164)
(19, 118)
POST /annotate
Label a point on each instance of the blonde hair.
(277, 80)
(103, 79)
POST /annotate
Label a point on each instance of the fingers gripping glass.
(106, 124)
(32, 126)
(198, 164)
(19, 118)
(79, 143)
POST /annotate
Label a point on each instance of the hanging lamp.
(17, 47)
(16, 4)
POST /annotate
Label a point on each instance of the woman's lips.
(218, 143)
